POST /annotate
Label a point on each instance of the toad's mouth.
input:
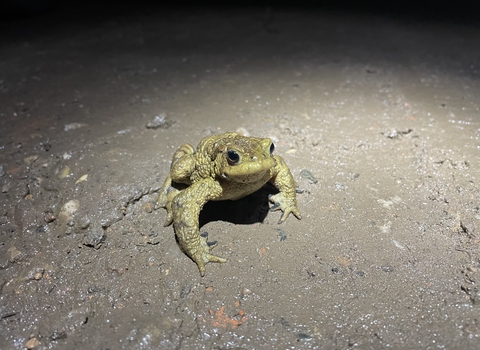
(248, 172)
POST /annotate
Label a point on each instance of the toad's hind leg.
(186, 209)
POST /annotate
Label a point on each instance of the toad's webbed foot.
(200, 253)
(286, 204)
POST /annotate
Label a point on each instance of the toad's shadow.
(248, 210)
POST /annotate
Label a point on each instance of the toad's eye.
(272, 148)
(233, 157)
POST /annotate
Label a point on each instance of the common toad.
(227, 166)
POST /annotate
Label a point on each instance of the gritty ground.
(378, 120)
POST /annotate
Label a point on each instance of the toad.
(228, 166)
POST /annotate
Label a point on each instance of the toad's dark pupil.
(272, 147)
(233, 156)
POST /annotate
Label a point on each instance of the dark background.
(459, 11)
(24, 20)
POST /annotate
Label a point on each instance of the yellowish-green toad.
(227, 166)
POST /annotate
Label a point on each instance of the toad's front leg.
(286, 199)
(183, 163)
(186, 208)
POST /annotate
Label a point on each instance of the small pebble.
(94, 238)
(73, 126)
(282, 234)
(148, 207)
(41, 229)
(36, 273)
(387, 268)
(246, 291)
(32, 343)
(111, 217)
(15, 254)
(304, 336)
(31, 159)
(6, 187)
(64, 172)
(67, 211)
(81, 179)
(242, 131)
(49, 217)
(84, 222)
(159, 122)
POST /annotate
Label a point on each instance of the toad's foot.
(161, 201)
(163, 193)
(164, 200)
(201, 254)
(286, 204)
